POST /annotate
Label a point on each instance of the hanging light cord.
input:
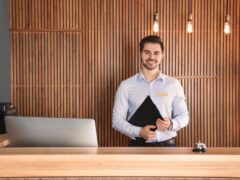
(156, 6)
(189, 6)
(227, 7)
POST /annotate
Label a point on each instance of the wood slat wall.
(69, 56)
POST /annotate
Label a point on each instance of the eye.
(147, 52)
(156, 53)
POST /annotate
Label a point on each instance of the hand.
(164, 124)
(146, 132)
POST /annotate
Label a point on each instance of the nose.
(151, 56)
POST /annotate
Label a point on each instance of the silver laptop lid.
(51, 132)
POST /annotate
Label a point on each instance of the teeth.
(151, 62)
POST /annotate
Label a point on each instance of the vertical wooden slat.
(24, 83)
(54, 76)
(237, 68)
(58, 79)
(61, 74)
(50, 64)
(81, 48)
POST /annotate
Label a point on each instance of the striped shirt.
(166, 93)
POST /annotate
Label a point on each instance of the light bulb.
(155, 23)
(155, 26)
(189, 27)
(189, 24)
(227, 27)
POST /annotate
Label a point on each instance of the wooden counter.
(118, 161)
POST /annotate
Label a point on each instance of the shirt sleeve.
(180, 115)
(119, 115)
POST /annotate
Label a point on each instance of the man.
(165, 92)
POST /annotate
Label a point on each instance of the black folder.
(146, 114)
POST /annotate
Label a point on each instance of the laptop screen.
(51, 132)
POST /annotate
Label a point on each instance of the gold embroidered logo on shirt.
(162, 94)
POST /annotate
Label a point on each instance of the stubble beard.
(149, 67)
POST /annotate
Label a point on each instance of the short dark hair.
(151, 39)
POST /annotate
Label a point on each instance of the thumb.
(152, 126)
(165, 118)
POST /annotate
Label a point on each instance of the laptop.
(50, 132)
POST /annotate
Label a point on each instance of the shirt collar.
(160, 76)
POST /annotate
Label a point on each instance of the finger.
(159, 121)
(164, 125)
(153, 133)
(151, 126)
(164, 122)
(158, 125)
(165, 119)
(162, 128)
(150, 137)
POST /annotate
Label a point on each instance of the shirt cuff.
(175, 125)
(135, 131)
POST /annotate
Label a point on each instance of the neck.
(150, 75)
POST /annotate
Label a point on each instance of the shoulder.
(129, 81)
(171, 80)
(125, 85)
(173, 83)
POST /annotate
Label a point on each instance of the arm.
(4, 140)
(119, 115)
(180, 117)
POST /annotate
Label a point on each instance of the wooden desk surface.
(119, 161)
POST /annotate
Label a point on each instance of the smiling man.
(165, 92)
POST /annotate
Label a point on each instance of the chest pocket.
(164, 99)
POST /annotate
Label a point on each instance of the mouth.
(150, 61)
(150, 64)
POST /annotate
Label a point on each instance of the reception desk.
(118, 162)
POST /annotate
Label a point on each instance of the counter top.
(119, 161)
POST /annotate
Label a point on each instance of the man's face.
(151, 56)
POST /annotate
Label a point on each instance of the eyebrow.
(145, 50)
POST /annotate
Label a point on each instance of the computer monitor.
(51, 132)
